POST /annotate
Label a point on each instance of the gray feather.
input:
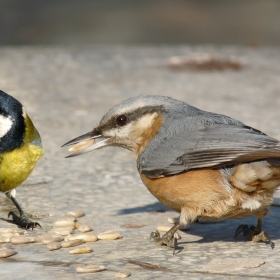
(201, 140)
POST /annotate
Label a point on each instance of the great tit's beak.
(86, 143)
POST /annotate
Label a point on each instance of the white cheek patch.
(121, 132)
(5, 125)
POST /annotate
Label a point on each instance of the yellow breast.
(16, 165)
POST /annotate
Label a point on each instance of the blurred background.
(241, 22)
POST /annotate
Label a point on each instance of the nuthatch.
(20, 149)
(198, 163)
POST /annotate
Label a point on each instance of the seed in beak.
(82, 145)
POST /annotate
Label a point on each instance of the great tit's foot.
(254, 233)
(167, 239)
(23, 221)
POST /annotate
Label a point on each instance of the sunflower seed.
(9, 234)
(77, 213)
(86, 237)
(6, 246)
(54, 246)
(5, 239)
(71, 243)
(62, 231)
(7, 253)
(78, 224)
(84, 228)
(67, 217)
(123, 274)
(81, 145)
(81, 250)
(163, 228)
(52, 238)
(90, 268)
(173, 220)
(184, 227)
(64, 223)
(22, 239)
(109, 236)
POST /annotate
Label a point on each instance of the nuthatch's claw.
(272, 244)
(245, 229)
(155, 236)
(169, 238)
(175, 242)
(254, 233)
(23, 221)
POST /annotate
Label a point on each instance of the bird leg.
(22, 220)
(254, 233)
(167, 239)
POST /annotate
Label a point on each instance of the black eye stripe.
(121, 120)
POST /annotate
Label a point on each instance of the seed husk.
(62, 231)
(123, 274)
(7, 253)
(184, 227)
(71, 243)
(163, 228)
(67, 217)
(43, 236)
(22, 239)
(54, 246)
(77, 213)
(78, 224)
(86, 237)
(108, 231)
(64, 223)
(81, 250)
(5, 230)
(5, 239)
(52, 238)
(90, 268)
(6, 246)
(81, 145)
(133, 225)
(173, 220)
(84, 228)
(109, 236)
(9, 234)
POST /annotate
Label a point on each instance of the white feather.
(251, 204)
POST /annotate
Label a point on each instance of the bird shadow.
(154, 207)
(212, 232)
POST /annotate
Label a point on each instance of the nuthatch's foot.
(23, 221)
(254, 233)
(167, 239)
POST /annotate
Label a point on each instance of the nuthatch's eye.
(121, 120)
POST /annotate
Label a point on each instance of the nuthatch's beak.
(86, 143)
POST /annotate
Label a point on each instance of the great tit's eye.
(121, 120)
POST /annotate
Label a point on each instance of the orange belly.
(193, 189)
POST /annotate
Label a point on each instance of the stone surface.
(66, 90)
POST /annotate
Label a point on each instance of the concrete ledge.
(65, 91)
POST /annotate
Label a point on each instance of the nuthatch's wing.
(179, 148)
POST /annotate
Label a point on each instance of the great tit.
(20, 149)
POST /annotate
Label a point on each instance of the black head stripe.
(132, 116)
